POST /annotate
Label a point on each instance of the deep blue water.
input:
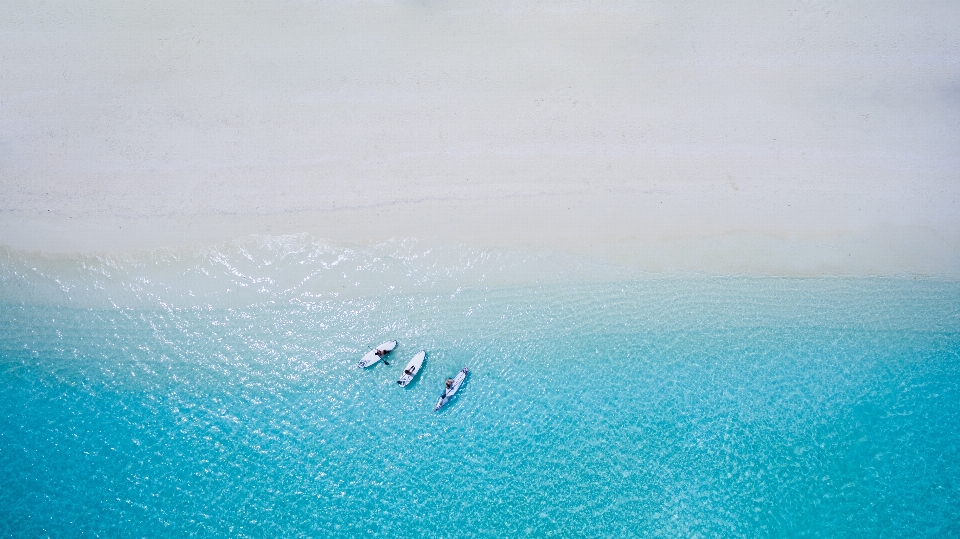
(214, 393)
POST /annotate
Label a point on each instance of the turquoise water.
(214, 393)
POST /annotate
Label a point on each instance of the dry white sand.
(808, 138)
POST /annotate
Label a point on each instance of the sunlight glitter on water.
(147, 394)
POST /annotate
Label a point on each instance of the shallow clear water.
(214, 393)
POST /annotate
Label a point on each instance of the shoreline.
(885, 251)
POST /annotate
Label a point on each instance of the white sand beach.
(797, 138)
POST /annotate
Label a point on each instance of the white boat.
(376, 354)
(449, 392)
(412, 368)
